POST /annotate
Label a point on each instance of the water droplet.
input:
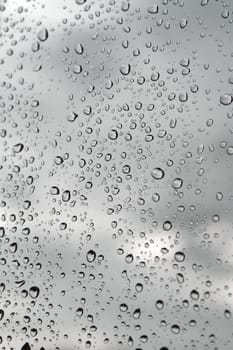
(167, 225)
(179, 257)
(79, 312)
(155, 197)
(175, 329)
(157, 173)
(230, 150)
(79, 49)
(34, 292)
(80, 2)
(113, 134)
(123, 307)
(129, 258)
(153, 9)
(137, 314)
(1, 314)
(159, 304)
(66, 196)
(91, 256)
(227, 314)
(204, 2)
(194, 294)
(183, 23)
(139, 287)
(226, 99)
(54, 190)
(125, 69)
(77, 69)
(72, 117)
(177, 183)
(18, 148)
(219, 196)
(43, 34)
(26, 346)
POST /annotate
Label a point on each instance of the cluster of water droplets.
(116, 175)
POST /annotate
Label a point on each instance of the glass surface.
(116, 174)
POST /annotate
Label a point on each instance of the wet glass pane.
(116, 174)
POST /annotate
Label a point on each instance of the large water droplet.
(125, 69)
(226, 99)
(157, 173)
(91, 256)
(43, 34)
(34, 292)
